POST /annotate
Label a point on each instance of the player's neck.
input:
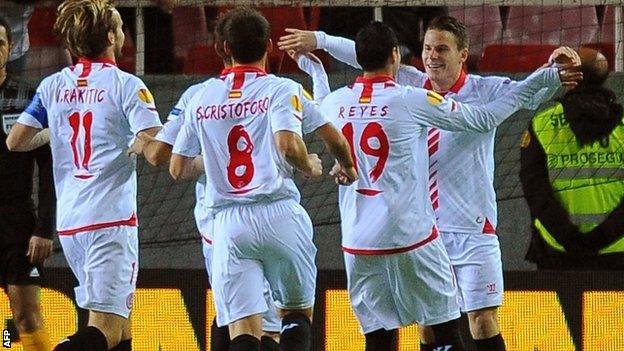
(260, 64)
(444, 85)
(388, 71)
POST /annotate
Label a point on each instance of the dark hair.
(247, 33)
(7, 29)
(592, 111)
(374, 44)
(453, 26)
(218, 34)
(83, 26)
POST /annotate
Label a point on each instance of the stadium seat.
(40, 27)
(189, 30)
(514, 57)
(202, 59)
(484, 25)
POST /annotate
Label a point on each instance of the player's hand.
(316, 166)
(136, 148)
(297, 40)
(38, 250)
(343, 176)
(569, 75)
(563, 55)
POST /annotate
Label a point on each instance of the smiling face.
(443, 59)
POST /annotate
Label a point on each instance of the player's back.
(235, 119)
(94, 110)
(387, 208)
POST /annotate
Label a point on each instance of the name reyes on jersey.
(363, 111)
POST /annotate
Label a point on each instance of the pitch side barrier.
(173, 310)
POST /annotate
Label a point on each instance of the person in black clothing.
(577, 198)
(25, 237)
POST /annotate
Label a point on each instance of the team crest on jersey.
(146, 96)
(434, 98)
(296, 103)
(8, 121)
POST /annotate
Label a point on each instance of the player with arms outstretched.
(397, 267)
(94, 112)
(465, 205)
(247, 126)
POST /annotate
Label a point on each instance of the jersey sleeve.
(320, 81)
(175, 119)
(410, 75)
(312, 116)
(431, 109)
(502, 85)
(138, 106)
(286, 110)
(342, 49)
(36, 114)
(187, 141)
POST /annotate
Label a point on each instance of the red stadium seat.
(189, 30)
(514, 57)
(202, 59)
(40, 27)
(484, 25)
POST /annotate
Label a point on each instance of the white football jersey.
(312, 119)
(93, 110)
(387, 209)
(462, 172)
(231, 122)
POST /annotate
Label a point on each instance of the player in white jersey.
(398, 271)
(158, 152)
(94, 111)
(247, 126)
(465, 205)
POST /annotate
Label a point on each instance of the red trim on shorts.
(130, 222)
(208, 241)
(488, 228)
(379, 252)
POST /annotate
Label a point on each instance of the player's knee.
(87, 339)
(483, 323)
(27, 321)
(426, 335)
(381, 340)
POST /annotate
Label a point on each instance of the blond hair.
(83, 26)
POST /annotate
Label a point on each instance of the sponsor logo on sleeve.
(146, 96)
(8, 121)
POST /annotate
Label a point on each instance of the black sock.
(381, 340)
(219, 337)
(267, 343)
(495, 343)
(447, 335)
(245, 342)
(296, 333)
(87, 339)
(124, 345)
(427, 347)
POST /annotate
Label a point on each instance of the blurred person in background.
(25, 235)
(572, 174)
(18, 14)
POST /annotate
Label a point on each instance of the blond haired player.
(94, 112)
(465, 206)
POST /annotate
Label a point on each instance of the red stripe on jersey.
(368, 192)
(367, 93)
(130, 222)
(436, 204)
(239, 80)
(459, 83)
(378, 252)
(86, 69)
(298, 117)
(206, 240)
(83, 176)
(488, 228)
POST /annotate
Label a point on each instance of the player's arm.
(294, 151)
(431, 109)
(313, 67)
(40, 244)
(305, 41)
(186, 161)
(540, 196)
(140, 110)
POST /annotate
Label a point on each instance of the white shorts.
(392, 291)
(271, 241)
(271, 322)
(106, 264)
(476, 259)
